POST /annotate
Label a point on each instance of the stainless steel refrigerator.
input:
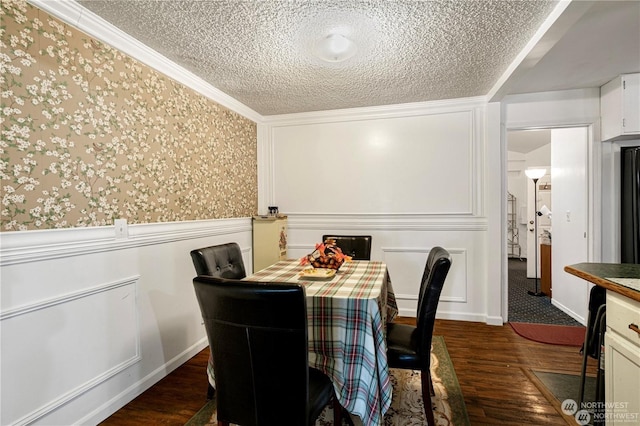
(630, 205)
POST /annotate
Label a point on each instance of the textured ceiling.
(259, 52)
(602, 44)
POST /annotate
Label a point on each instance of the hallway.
(526, 308)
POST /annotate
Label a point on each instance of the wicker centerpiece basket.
(326, 255)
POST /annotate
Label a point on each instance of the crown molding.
(79, 17)
(377, 112)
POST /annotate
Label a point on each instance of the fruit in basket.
(326, 255)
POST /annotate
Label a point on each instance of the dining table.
(347, 315)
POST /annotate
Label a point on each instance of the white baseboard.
(499, 321)
(568, 311)
(461, 316)
(456, 316)
(129, 394)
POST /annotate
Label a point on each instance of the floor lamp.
(534, 175)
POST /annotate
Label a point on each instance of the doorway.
(563, 153)
(529, 149)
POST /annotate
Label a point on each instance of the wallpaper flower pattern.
(90, 135)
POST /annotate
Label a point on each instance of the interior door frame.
(594, 194)
(531, 237)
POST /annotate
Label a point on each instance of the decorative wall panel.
(400, 165)
(408, 265)
(89, 322)
(46, 336)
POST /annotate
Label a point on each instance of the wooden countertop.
(602, 274)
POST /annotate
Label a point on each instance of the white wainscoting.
(48, 337)
(90, 321)
(406, 263)
(412, 176)
(403, 243)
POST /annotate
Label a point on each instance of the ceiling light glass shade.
(535, 173)
(335, 48)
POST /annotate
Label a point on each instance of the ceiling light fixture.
(535, 173)
(335, 48)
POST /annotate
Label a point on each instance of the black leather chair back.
(597, 299)
(356, 246)
(258, 338)
(224, 261)
(435, 273)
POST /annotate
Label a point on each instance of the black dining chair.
(258, 338)
(356, 246)
(409, 347)
(222, 260)
(594, 341)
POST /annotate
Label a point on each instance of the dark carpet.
(526, 308)
(567, 386)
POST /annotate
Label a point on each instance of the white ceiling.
(259, 52)
(525, 141)
(603, 42)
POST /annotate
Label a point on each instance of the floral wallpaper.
(90, 135)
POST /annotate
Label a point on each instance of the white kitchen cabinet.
(620, 108)
(269, 240)
(622, 360)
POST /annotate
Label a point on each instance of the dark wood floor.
(492, 363)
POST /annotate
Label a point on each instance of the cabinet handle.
(634, 327)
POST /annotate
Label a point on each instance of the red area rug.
(552, 334)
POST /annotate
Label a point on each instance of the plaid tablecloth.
(347, 317)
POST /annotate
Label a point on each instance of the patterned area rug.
(407, 408)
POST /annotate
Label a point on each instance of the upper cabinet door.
(620, 107)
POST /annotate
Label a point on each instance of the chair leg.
(425, 377)
(337, 412)
(432, 391)
(585, 354)
(601, 373)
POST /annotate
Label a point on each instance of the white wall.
(569, 197)
(88, 322)
(397, 165)
(411, 176)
